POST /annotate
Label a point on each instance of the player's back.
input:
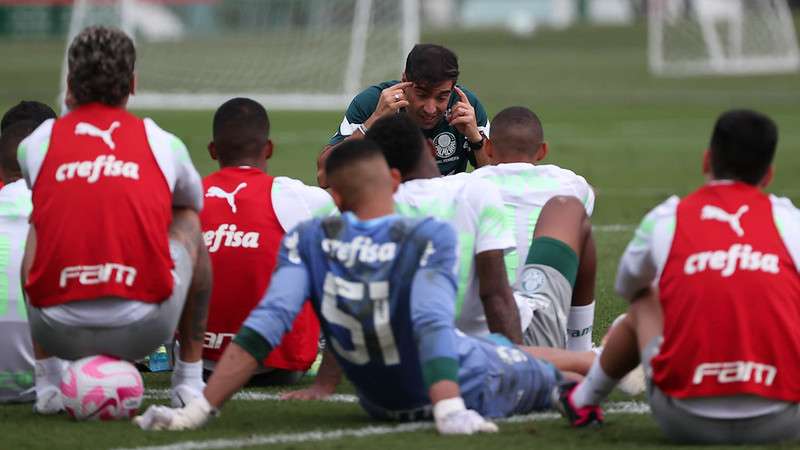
(474, 208)
(525, 189)
(244, 219)
(361, 275)
(16, 350)
(103, 182)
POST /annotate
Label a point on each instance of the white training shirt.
(294, 202)
(525, 189)
(16, 349)
(474, 208)
(641, 266)
(15, 209)
(187, 191)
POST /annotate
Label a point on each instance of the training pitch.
(635, 138)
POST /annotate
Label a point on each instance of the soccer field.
(636, 139)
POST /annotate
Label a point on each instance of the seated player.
(114, 244)
(16, 351)
(246, 213)
(383, 288)
(714, 290)
(473, 207)
(556, 279)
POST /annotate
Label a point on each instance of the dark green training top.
(452, 148)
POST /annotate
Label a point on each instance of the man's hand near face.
(392, 100)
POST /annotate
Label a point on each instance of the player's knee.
(565, 205)
(642, 306)
(566, 209)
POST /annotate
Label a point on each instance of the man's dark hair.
(517, 129)
(400, 139)
(101, 62)
(743, 146)
(430, 64)
(350, 152)
(9, 142)
(241, 129)
(27, 110)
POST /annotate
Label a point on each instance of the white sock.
(190, 373)
(48, 373)
(594, 388)
(579, 328)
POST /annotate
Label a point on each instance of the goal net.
(728, 37)
(286, 54)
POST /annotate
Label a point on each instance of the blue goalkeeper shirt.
(384, 291)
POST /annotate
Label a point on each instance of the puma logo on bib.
(230, 197)
(710, 212)
(84, 128)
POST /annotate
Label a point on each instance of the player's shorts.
(132, 341)
(501, 380)
(682, 426)
(424, 412)
(496, 379)
(544, 286)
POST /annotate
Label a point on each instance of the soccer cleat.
(49, 402)
(577, 417)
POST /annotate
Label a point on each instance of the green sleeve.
(440, 369)
(253, 343)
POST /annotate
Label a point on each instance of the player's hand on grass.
(316, 391)
(462, 117)
(452, 417)
(392, 99)
(192, 416)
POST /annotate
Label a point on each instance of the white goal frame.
(352, 82)
(721, 60)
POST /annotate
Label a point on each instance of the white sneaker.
(49, 401)
(634, 382)
(182, 394)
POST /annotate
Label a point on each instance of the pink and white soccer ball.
(101, 388)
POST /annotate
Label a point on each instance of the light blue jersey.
(384, 292)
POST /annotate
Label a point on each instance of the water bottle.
(159, 360)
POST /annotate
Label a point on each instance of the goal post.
(721, 37)
(286, 54)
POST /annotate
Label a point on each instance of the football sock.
(594, 388)
(188, 373)
(579, 327)
(48, 373)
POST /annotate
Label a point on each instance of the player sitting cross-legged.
(715, 303)
(246, 213)
(114, 259)
(383, 288)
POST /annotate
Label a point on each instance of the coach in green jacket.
(450, 116)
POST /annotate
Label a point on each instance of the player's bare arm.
(501, 311)
(192, 326)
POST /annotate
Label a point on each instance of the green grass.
(637, 139)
